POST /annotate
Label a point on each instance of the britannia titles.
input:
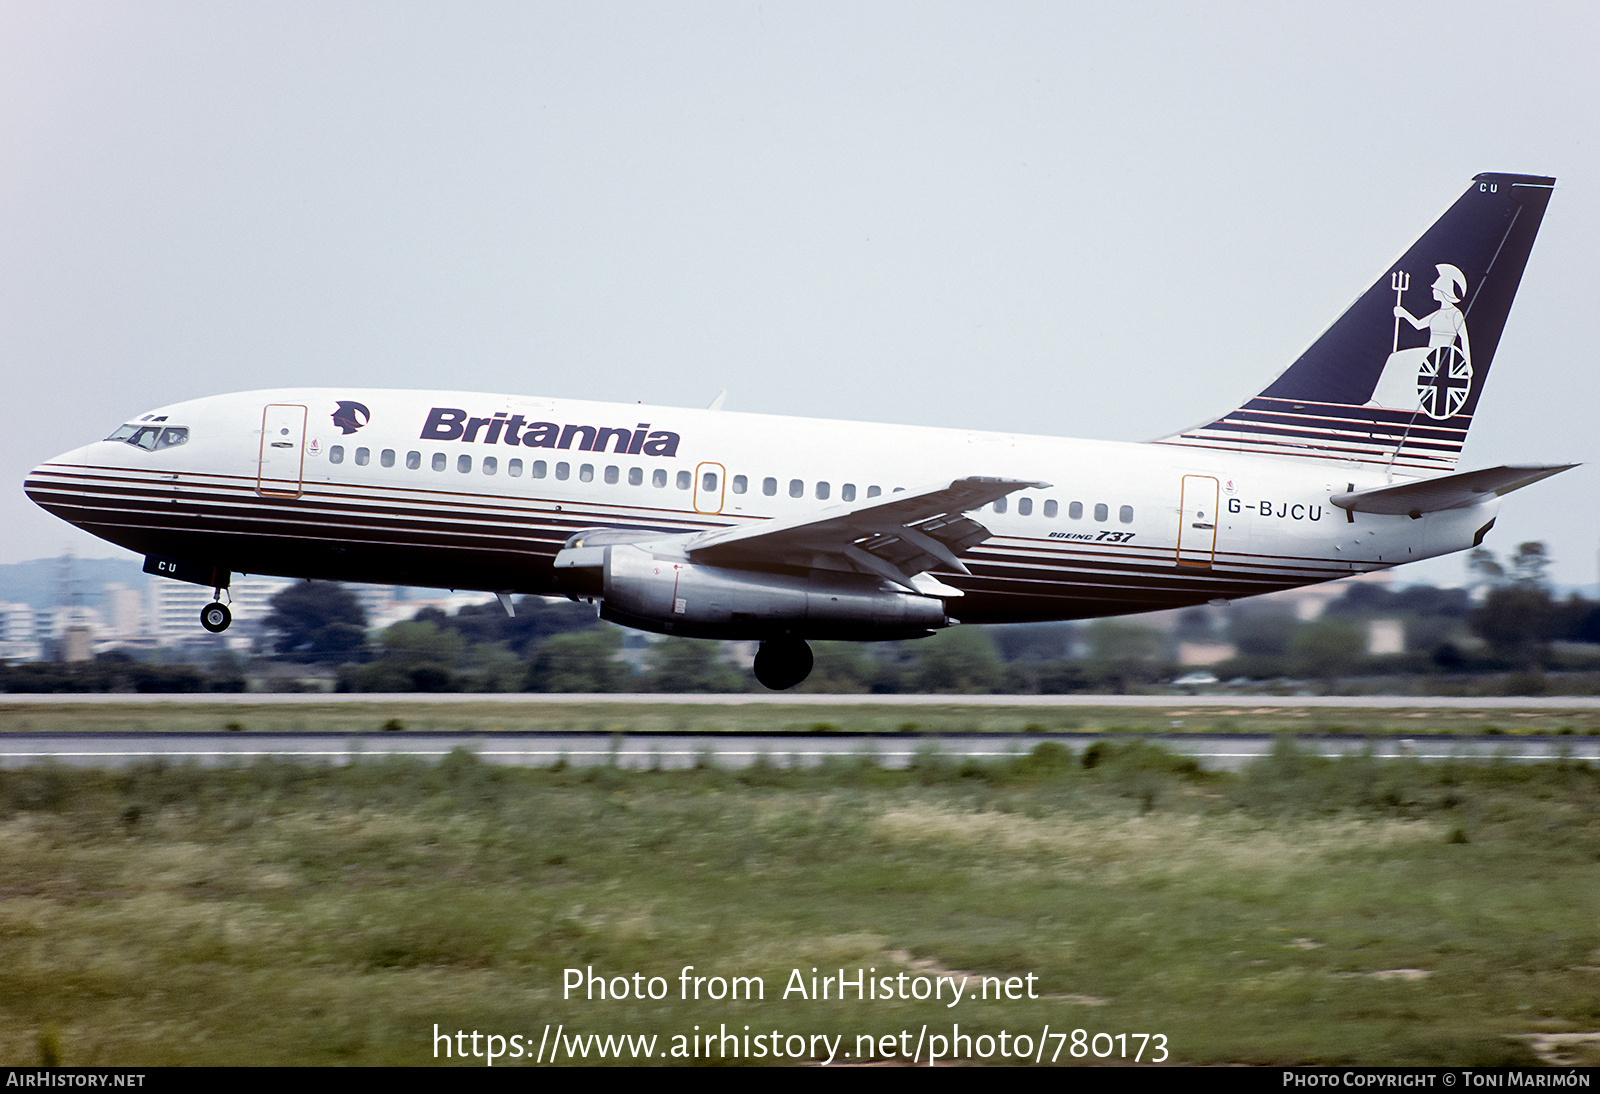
(453, 424)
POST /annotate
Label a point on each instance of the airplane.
(716, 524)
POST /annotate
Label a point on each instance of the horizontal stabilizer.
(1459, 491)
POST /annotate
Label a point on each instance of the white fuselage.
(390, 496)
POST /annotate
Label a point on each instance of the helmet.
(1451, 280)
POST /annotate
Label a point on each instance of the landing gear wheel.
(781, 663)
(215, 618)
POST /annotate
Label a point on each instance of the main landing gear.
(215, 617)
(781, 663)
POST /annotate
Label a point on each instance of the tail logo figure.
(1436, 378)
(350, 416)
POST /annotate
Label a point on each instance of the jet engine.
(642, 585)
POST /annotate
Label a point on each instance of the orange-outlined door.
(1197, 521)
(709, 487)
(283, 443)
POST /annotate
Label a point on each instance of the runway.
(639, 751)
(1359, 702)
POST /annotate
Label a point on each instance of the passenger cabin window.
(1024, 507)
(635, 476)
(685, 480)
(1000, 505)
(822, 491)
(514, 468)
(708, 481)
(586, 473)
(1125, 514)
(847, 492)
(539, 469)
(363, 457)
(1101, 511)
(874, 491)
(612, 474)
(797, 489)
(490, 465)
(386, 457)
(1075, 510)
(658, 478)
(740, 484)
(1051, 509)
(562, 471)
(463, 464)
(413, 460)
(439, 461)
(336, 454)
(769, 486)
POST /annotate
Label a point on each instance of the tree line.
(1515, 627)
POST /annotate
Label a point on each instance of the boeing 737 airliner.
(722, 525)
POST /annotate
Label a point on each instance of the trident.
(1399, 282)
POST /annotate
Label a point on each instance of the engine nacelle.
(646, 592)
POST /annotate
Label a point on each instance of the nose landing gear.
(216, 617)
(781, 663)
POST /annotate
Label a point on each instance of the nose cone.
(38, 485)
(56, 484)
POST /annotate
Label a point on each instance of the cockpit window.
(150, 437)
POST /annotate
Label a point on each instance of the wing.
(896, 537)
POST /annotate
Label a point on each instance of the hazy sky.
(1088, 220)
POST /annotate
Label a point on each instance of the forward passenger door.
(283, 442)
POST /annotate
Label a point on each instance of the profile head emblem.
(350, 416)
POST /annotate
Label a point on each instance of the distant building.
(77, 643)
(740, 654)
(124, 611)
(18, 634)
(377, 600)
(1386, 636)
(16, 622)
(52, 623)
(1205, 653)
(1308, 603)
(399, 611)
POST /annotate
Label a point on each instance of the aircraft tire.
(215, 618)
(781, 663)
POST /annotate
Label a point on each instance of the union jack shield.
(1444, 381)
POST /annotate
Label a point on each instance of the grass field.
(1250, 717)
(1303, 911)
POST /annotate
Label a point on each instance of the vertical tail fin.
(1395, 380)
